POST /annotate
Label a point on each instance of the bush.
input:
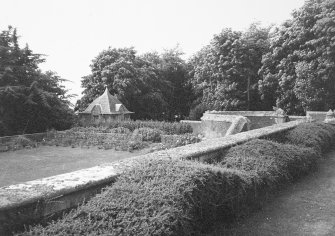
(179, 140)
(148, 134)
(158, 197)
(120, 130)
(166, 127)
(319, 136)
(20, 140)
(270, 162)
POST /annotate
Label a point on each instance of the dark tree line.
(291, 66)
(30, 101)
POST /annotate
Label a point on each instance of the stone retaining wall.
(43, 198)
(317, 115)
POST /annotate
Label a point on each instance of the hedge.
(178, 197)
(158, 197)
(270, 163)
(319, 136)
(166, 127)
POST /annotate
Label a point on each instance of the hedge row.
(121, 139)
(319, 136)
(170, 197)
(269, 162)
(166, 127)
(159, 197)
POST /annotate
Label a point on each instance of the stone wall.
(317, 115)
(214, 126)
(217, 125)
(196, 126)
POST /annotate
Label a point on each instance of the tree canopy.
(151, 85)
(30, 100)
(224, 74)
(290, 66)
(298, 73)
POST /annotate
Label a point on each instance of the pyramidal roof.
(108, 103)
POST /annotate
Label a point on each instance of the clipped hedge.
(166, 127)
(158, 197)
(270, 162)
(319, 136)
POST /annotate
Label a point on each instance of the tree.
(134, 80)
(173, 76)
(298, 72)
(224, 74)
(30, 101)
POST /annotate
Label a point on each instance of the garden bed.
(120, 136)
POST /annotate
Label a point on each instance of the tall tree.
(128, 76)
(299, 71)
(225, 73)
(29, 98)
(173, 75)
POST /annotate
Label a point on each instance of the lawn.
(30, 164)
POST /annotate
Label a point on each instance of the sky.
(71, 33)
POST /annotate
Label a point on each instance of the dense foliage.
(164, 196)
(30, 101)
(152, 85)
(291, 66)
(224, 74)
(298, 73)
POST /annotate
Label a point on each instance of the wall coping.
(244, 113)
(191, 121)
(39, 191)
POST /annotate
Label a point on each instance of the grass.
(44, 161)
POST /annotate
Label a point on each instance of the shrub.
(136, 145)
(22, 141)
(179, 140)
(148, 134)
(319, 136)
(120, 130)
(270, 162)
(158, 197)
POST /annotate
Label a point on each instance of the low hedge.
(18, 142)
(319, 136)
(270, 163)
(166, 127)
(179, 140)
(158, 197)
